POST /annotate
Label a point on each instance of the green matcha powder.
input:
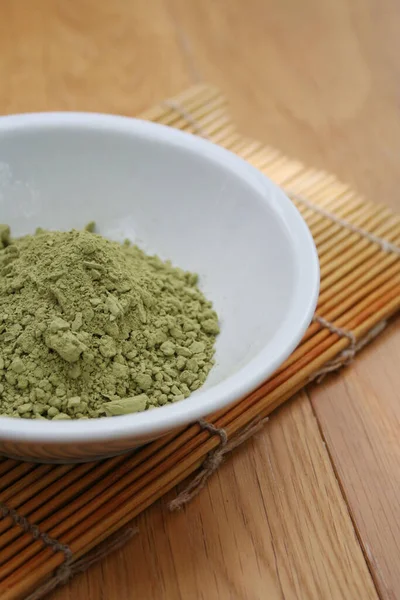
(93, 328)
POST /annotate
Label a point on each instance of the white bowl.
(187, 200)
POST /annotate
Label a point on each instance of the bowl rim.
(247, 378)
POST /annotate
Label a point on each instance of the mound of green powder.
(91, 328)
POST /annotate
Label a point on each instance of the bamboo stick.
(362, 282)
(47, 504)
(364, 219)
(15, 474)
(343, 207)
(193, 98)
(201, 114)
(349, 271)
(7, 464)
(362, 247)
(312, 337)
(350, 213)
(56, 481)
(19, 487)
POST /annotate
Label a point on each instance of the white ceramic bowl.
(185, 199)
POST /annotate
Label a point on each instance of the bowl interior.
(189, 207)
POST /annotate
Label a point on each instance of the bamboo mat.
(57, 520)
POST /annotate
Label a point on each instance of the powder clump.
(92, 328)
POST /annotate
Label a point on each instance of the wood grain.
(359, 414)
(107, 56)
(318, 80)
(269, 525)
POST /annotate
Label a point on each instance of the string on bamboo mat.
(385, 245)
(186, 116)
(215, 458)
(35, 532)
(71, 568)
(347, 355)
(221, 433)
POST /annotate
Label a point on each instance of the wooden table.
(310, 508)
